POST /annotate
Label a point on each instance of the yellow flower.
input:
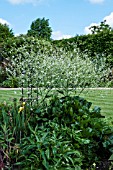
(21, 109)
(23, 104)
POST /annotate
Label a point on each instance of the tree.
(5, 32)
(104, 27)
(40, 28)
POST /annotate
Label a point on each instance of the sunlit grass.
(9, 95)
(102, 98)
(99, 97)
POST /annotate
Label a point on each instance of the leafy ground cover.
(60, 132)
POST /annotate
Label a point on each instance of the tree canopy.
(103, 27)
(40, 28)
(5, 32)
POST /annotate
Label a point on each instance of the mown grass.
(9, 95)
(99, 97)
(102, 98)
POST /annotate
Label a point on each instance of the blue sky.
(67, 18)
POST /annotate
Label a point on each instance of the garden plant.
(58, 132)
(51, 127)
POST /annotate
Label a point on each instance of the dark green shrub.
(10, 82)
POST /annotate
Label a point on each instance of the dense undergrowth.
(60, 132)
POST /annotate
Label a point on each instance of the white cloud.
(3, 21)
(58, 35)
(109, 21)
(16, 2)
(96, 1)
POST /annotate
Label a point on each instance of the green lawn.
(9, 95)
(102, 98)
(98, 97)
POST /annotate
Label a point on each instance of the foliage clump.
(39, 62)
(97, 45)
(5, 33)
(40, 28)
(60, 132)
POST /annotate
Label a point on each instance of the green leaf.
(54, 150)
(111, 158)
(47, 152)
